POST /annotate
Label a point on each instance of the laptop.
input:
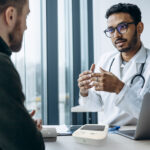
(142, 131)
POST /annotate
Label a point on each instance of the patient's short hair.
(18, 4)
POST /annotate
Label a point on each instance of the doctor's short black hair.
(133, 10)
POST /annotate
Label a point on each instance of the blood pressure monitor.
(91, 134)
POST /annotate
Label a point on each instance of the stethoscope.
(136, 75)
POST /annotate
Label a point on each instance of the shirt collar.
(140, 56)
(123, 64)
(4, 48)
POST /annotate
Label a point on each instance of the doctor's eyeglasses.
(121, 28)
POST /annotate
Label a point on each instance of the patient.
(17, 129)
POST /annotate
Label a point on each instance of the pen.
(114, 128)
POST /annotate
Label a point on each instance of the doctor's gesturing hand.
(106, 81)
(84, 81)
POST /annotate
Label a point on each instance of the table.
(113, 142)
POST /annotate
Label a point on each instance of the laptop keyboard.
(128, 132)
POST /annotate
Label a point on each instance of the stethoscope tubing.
(135, 76)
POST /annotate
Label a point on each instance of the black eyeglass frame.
(116, 28)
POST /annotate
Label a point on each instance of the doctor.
(116, 85)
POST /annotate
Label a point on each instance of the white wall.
(103, 44)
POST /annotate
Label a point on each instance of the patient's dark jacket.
(17, 129)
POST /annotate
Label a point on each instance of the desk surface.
(80, 108)
(113, 142)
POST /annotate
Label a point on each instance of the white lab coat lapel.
(135, 64)
(115, 69)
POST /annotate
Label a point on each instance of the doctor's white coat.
(122, 108)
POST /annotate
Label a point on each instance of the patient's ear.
(10, 16)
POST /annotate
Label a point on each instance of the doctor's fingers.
(98, 79)
(84, 77)
(85, 73)
(84, 83)
(103, 74)
(99, 88)
(92, 67)
(98, 85)
(97, 74)
(86, 87)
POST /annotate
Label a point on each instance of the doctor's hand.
(38, 122)
(106, 81)
(84, 81)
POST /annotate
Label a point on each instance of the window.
(65, 80)
(49, 77)
(29, 60)
(74, 44)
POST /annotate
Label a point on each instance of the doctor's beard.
(131, 44)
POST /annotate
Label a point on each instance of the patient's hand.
(38, 122)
